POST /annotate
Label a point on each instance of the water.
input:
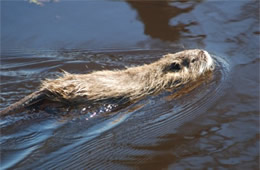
(211, 124)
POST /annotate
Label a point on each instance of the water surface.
(213, 123)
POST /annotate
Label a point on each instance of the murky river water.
(212, 124)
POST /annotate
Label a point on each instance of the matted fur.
(172, 70)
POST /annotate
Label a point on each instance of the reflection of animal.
(132, 83)
(156, 17)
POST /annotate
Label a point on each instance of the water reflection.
(156, 17)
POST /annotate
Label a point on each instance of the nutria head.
(181, 67)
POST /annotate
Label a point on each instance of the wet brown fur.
(172, 70)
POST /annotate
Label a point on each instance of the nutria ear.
(173, 67)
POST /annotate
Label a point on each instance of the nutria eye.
(174, 67)
(193, 60)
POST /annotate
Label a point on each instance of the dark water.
(211, 124)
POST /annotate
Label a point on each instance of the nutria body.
(172, 70)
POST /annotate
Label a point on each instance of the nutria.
(171, 71)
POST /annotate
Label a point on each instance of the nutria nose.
(206, 56)
(202, 54)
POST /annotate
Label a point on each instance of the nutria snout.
(171, 71)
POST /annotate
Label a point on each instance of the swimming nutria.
(172, 70)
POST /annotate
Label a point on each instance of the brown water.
(212, 124)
